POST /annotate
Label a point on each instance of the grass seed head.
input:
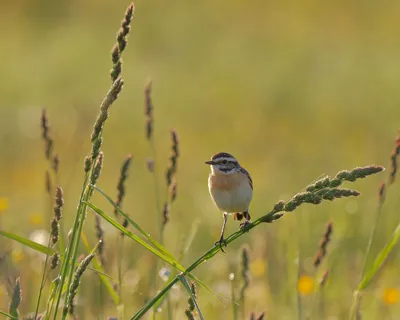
(165, 213)
(172, 190)
(121, 182)
(394, 159)
(87, 164)
(59, 203)
(122, 41)
(48, 183)
(108, 100)
(189, 312)
(73, 289)
(55, 260)
(382, 193)
(326, 238)
(148, 110)
(173, 159)
(46, 134)
(56, 163)
(55, 230)
(150, 165)
(97, 169)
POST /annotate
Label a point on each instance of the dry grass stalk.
(46, 134)
(170, 176)
(120, 46)
(56, 163)
(394, 159)
(165, 213)
(253, 316)
(382, 193)
(148, 110)
(48, 183)
(171, 170)
(150, 165)
(324, 278)
(172, 167)
(172, 190)
(326, 238)
(32, 316)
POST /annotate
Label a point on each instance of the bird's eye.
(224, 162)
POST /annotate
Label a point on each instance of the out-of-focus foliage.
(292, 89)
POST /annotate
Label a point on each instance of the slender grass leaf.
(8, 315)
(161, 255)
(164, 255)
(154, 242)
(187, 287)
(28, 243)
(142, 311)
(380, 259)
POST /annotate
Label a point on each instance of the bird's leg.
(247, 216)
(221, 240)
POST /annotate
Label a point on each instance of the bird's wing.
(244, 171)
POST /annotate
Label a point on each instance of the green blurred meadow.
(293, 89)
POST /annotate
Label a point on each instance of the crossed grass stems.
(323, 189)
(66, 284)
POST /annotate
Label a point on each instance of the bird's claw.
(244, 225)
(221, 242)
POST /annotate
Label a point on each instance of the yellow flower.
(17, 255)
(257, 268)
(3, 291)
(391, 296)
(305, 285)
(3, 204)
(36, 218)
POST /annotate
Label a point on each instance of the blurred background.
(293, 89)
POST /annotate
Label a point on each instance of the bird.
(231, 189)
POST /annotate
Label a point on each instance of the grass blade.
(380, 259)
(167, 258)
(28, 243)
(8, 315)
(154, 300)
(154, 242)
(162, 254)
(187, 287)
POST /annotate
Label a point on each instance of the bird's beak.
(210, 162)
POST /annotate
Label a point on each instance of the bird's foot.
(244, 225)
(221, 242)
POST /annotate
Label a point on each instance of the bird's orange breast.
(226, 182)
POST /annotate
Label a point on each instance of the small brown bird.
(231, 189)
